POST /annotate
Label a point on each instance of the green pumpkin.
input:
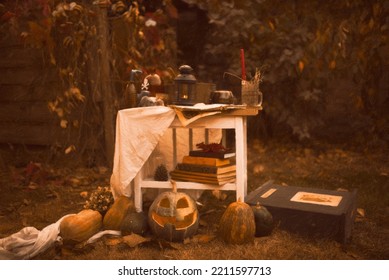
(135, 222)
(263, 220)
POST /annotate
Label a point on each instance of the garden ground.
(35, 193)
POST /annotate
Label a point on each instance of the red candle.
(242, 64)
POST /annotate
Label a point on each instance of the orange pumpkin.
(114, 217)
(81, 226)
(237, 225)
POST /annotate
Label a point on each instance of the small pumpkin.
(81, 226)
(263, 220)
(173, 215)
(114, 217)
(135, 222)
(237, 224)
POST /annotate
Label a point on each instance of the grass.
(318, 166)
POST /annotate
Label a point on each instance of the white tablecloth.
(138, 131)
(142, 132)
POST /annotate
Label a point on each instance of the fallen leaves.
(70, 149)
(31, 175)
(84, 194)
(163, 245)
(360, 215)
(134, 240)
(200, 239)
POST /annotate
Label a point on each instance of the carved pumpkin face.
(173, 216)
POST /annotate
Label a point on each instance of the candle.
(242, 64)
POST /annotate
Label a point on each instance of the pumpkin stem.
(174, 185)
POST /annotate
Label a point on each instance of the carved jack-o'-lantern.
(173, 215)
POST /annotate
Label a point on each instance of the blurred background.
(65, 66)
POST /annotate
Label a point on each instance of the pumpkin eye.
(165, 203)
(182, 203)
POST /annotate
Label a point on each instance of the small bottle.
(130, 95)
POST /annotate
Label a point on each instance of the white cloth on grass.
(29, 241)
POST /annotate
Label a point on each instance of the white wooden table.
(230, 119)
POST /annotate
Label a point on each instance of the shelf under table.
(235, 121)
(149, 184)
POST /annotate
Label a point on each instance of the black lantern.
(185, 86)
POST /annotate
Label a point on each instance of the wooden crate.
(308, 211)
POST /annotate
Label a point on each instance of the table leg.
(138, 193)
(241, 157)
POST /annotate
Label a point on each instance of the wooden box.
(308, 211)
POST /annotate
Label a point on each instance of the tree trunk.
(105, 84)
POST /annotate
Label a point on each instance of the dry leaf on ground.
(134, 239)
(200, 238)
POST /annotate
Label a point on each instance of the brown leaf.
(84, 194)
(361, 212)
(102, 170)
(32, 168)
(64, 123)
(113, 241)
(134, 240)
(81, 246)
(200, 238)
(33, 186)
(163, 244)
(70, 149)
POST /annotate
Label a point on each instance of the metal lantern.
(185, 86)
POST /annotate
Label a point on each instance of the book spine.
(203, 180)
(205, 161)
(204, 175)
(197, 168)
(197, 153)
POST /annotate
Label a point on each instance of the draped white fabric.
(138, 132)
(29, 242)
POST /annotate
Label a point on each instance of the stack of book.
(206, 167)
